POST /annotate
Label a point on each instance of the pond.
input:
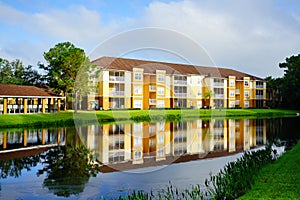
(109, 160)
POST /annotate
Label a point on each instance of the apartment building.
(131, 83)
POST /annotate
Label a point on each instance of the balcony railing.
(152, 101)
(116, 78)
(259, 86)
(237, 102)
(180, 82)
(152, 87)
(116, 93)
(237, 91)
(259, 96)
(218, 84)
(180, 94)
(219, 95)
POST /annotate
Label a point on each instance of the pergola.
(17, 99)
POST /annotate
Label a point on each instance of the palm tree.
(208, 95)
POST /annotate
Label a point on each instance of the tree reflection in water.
(68, 169)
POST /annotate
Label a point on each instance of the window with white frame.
(161, 103)
(246, 93)
(161, 126)
(160, 78)
(199, 104)
(137, 127)
(137, 76)
(161, 91)
(246, 104)
(231, 82)
(137, 103)
(161, 139)
(231, 93)
(231, 104)
(138, 141)
(137, 155)
(200, 92)
(246, 83)
(160, 152)
(137, 90)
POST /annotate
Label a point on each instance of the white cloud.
(252, 36)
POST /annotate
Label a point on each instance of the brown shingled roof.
(21, 90)
(171, 68)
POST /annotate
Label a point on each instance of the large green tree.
(67, 66)
(291, 80)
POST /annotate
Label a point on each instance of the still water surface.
(118, 158)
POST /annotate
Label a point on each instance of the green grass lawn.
(279, 180)
(67, 118)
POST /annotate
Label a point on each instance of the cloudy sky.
(252, 36)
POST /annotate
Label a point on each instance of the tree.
(64, 63)
(291, 80)
(207, 96)
(16, 73)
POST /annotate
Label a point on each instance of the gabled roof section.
(22, 91)
(112, 63)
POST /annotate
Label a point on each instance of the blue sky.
(252, 36)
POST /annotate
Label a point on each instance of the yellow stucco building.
(130, 83)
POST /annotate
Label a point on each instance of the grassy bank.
(280, 180)
(85, 117)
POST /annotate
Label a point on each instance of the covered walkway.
(19, 99)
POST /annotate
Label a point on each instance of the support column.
(25, 105)
(25, 138)
(43, 136)
(4, 140)
(58, 135)
(43, 106)
(58, 105)
(4, 106)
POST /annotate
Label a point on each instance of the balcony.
(218, 84)
(117, 78)
(180, 82)
(180, 94)
(116, 93)
(152, 88)
(259, 96)
(152, 101)
(237, 102)
(237, 91)
(260, 86)
(221, 96)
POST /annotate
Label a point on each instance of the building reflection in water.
(161, 142)
(25, 139)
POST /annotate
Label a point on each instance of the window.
(199, 104)
(137, 155)
(231, 93)
(138, 141)
(231, 104)
(246, 83)
(246, 104)
(246, 93)
(199, 92)
(161, 139)
(160, 152)
(137, 90)
(259, 84)
(161, 91)
(231, 83)
(137, 76)
(137, 104)
(160, 78)
(161, 103)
